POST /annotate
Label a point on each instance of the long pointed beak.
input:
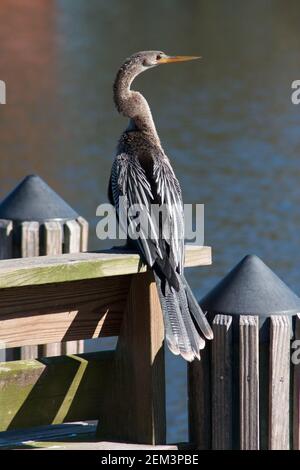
(176, 58)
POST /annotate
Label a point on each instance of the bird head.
(131, 103)
(149, 59)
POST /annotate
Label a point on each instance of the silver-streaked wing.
(131, 186)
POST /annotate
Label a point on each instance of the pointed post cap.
(251, 288)
(33, 199)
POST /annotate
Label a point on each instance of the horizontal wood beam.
(36, 311)
(68, 436)
(113, 446)
(55, 390)
(54, 432)
(61, 312)
(81, 266)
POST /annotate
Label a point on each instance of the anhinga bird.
(142, 174)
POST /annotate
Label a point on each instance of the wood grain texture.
(279, 383)
(249, 382)
(6, 243)
(80, 266)
(296, 387)
(75, 240)
(113, 446)
(65, 431)
(30, 239)
(199, 400)
(72, 244)
(70, 436)
(264, 361)
(138, 397)
(51, 244)
(221, 370)
(72, 347)
(50, 350)
(63, 312)
(84, 233)
(51, 238)
(30, 246)
(72, 237)
(54, 390)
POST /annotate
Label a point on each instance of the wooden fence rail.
(240, 393)
(81, 296)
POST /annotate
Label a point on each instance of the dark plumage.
(142, 174)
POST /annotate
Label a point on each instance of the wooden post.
(29, 227)
(6, 228)
(72, 236)
(136, 405)
(30, 239)
(39, 222)
(249, 383)
(199, 400)
(279, 383)
(29, 247)
(52, 238)
(52, 241)
(73, 241)
(84, 228)
(296, 391)
(221, 365)
(6, 252)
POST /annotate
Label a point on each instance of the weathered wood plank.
(279, 383)
(199, 400)
(139, 395)
(84, 233)
(54, 390)
(30, 239)
(28, 352)
(72, 347)
(6, 252)
(51, 238)
(99, 446)
(221, 365)
(296, 387)
(6, 245)
(50, 350)
(249, 383)
(72, 244)
(63, 312)
(67, 436)
(66, 431)
(30, 246)
(264, 369)
(79, 266)
(51, 244)
(72, 237)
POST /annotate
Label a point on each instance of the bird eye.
(158, 57)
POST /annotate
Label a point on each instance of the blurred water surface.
(227, 122)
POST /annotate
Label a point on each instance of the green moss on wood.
(54, 390)
(80, 266)
(69, 271)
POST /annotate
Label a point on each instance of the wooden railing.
(80, 296)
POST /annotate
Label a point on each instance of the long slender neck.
(132, 104)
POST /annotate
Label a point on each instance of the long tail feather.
(197, 312)
(182, 336)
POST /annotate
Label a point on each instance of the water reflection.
(227, 123)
